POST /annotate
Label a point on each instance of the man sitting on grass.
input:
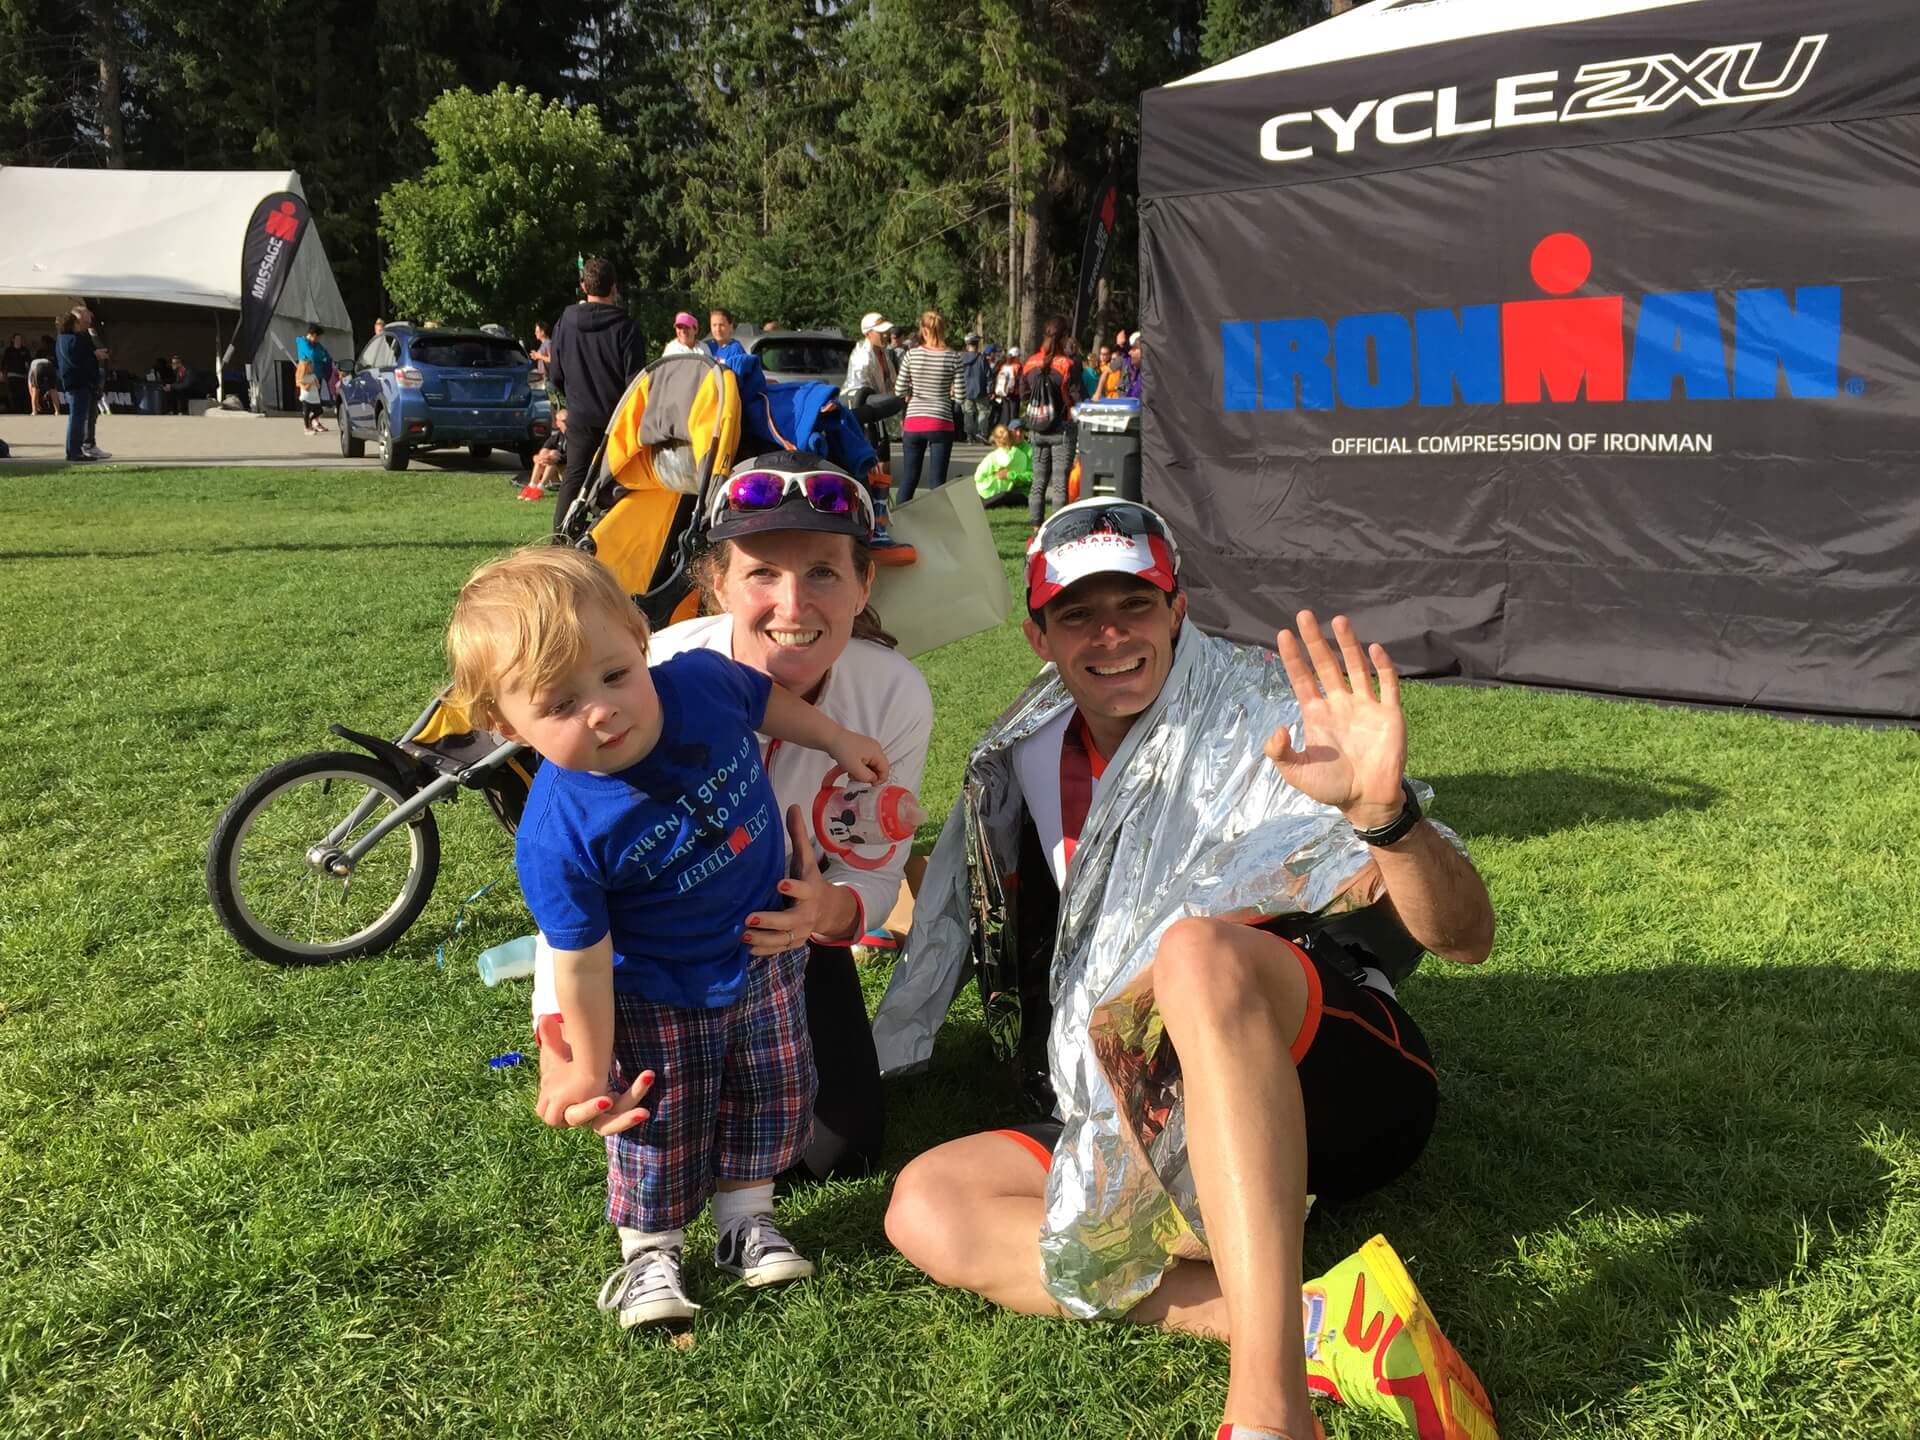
(1215, 1055)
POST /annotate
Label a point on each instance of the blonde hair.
(1002, 437)
(522, 616)
(933, 329)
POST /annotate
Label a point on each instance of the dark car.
(414, 390)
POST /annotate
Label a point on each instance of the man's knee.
(1197, 967)
(1214, 968)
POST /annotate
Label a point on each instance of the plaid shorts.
(732, 1097)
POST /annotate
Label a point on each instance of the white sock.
(730, 1207)
(632, 1242)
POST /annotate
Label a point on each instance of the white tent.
(158, 253)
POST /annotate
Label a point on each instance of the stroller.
(334, 854)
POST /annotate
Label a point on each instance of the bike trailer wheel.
(277, 872)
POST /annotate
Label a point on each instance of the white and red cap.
(1100, 536)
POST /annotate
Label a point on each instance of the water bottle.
(869, 815)
(511, 961)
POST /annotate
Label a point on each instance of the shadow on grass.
(1521, 805)
(1620, 1158)
(265, 547)
(1626, 1156)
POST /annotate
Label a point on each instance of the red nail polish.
(605, 1104)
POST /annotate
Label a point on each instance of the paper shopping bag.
(958, 586)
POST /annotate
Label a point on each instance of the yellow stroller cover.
(641, 509)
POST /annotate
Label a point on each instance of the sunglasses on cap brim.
(1134, 521)
(827, 492)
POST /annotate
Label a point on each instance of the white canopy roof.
(1387, 25)
(172, 236)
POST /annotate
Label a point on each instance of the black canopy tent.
(1567, 345)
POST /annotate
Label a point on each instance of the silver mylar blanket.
(1190, 818)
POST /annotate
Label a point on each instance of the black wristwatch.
(1396, 828)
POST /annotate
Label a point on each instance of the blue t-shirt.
(671, 855)
(313, 350)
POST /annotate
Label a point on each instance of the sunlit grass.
(1675, 1189)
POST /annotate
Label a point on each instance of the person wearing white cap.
(867, 391)
(1170, 1185)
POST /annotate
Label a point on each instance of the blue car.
(414, 390)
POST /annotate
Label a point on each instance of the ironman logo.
(1759, 344)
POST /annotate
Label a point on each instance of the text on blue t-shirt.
(671, 855)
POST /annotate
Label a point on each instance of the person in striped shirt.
(930, 382)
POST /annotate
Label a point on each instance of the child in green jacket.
(1005, 476)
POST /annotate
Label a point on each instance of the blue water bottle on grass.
(511, 961)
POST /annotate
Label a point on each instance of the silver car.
(796, 355)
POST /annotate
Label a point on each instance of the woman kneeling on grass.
(789, 574)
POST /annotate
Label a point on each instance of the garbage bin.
(1109, 458)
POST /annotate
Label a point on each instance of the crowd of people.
(995, 377)
(63, 374)
(1020, 404)
(979, 391)
(940, 394)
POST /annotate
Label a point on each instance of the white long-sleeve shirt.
(868, 368)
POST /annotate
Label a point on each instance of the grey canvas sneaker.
(756, 1251)
(647, 1290)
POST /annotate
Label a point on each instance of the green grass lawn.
(1675, 1189)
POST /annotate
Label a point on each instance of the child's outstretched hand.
(860, 756)
(569, 1099)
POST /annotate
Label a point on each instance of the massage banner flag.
(274, 234)
(1570, 345)
(1101, 218)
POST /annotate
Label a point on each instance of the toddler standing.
(651, 853)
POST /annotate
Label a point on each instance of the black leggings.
(849, 1115)
(583, 440)
(310, 411)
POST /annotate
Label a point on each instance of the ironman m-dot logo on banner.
(1757, 344)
